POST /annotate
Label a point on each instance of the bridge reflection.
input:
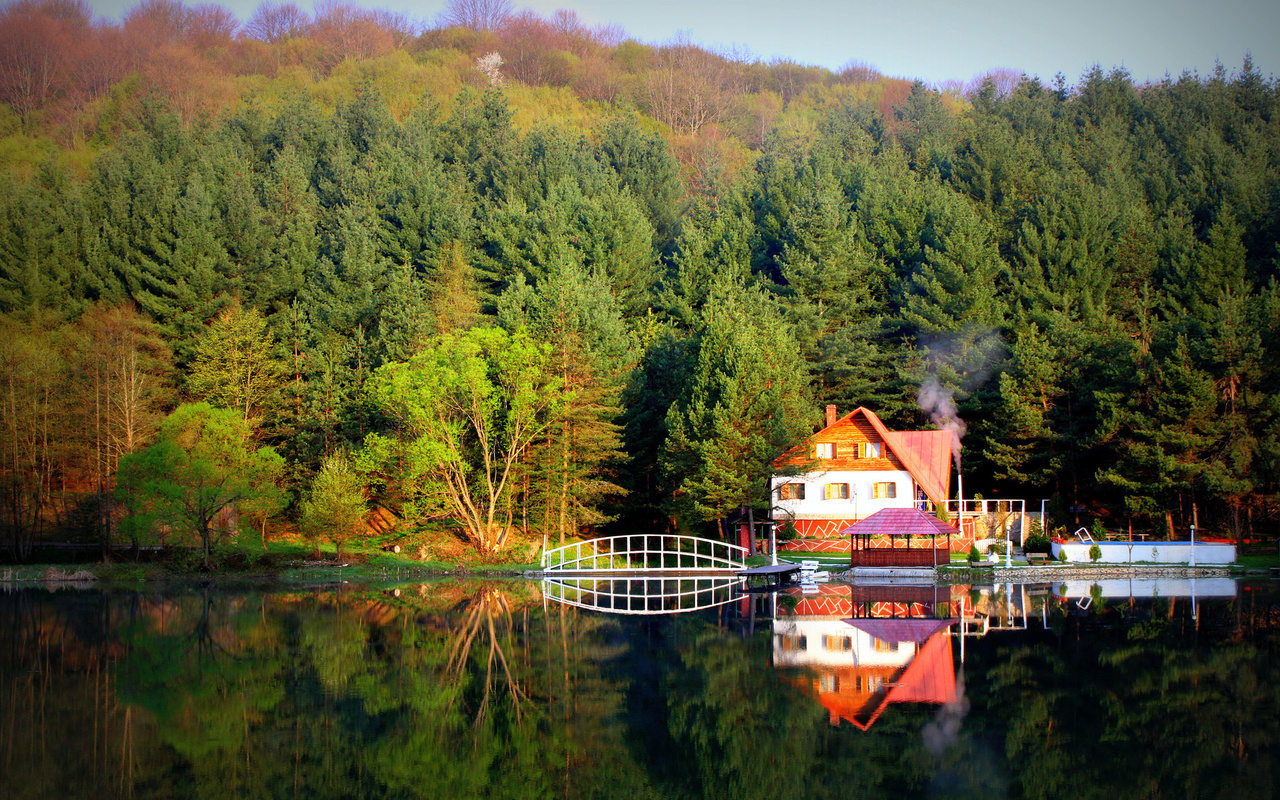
(655, 595)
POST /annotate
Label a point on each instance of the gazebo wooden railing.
(900, 557)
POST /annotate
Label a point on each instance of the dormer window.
(825, 449)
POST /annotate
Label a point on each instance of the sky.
(933, 40)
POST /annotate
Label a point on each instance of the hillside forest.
(510, 276)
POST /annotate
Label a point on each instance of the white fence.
(996, 518)
(640, 552)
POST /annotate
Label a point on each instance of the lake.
(459, 689)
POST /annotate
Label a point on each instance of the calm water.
(467, 689)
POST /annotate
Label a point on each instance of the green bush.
(974, 555)
(1096, 530)
(787, 531)
(1037, 544)
(1062, 556)
(1095, 553)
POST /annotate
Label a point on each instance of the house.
(854, 467)
(893, 649)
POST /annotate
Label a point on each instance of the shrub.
(1037, 544)
(787, 531)
(1096, 530)
(974, 555)
(1095, 553)
(1062, 556)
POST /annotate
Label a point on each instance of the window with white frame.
(836, 491)
(825, 450)
(871, 450)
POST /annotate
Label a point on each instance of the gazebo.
(874, 540)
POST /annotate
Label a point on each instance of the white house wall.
(860, 503)
(800, 643)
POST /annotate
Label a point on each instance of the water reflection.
(643, 596)
(492, 689)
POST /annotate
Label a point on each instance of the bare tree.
(856, 72)
(33, 56)
(1003, 80)
(158, 22)
(210, 25)
(275, 22)
(478, 15)
(403, 28)
(690, 87)
(349, 31)
(123, 375)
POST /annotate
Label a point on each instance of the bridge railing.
(642, 595)
(645, 552)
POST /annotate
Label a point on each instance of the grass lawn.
(1258, 560)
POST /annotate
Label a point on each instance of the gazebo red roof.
(899, 522)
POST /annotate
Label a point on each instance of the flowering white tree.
(491, 64)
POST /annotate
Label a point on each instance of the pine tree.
(746, 402)
(569, 469)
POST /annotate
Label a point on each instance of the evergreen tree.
(569, 469)
(746, 402)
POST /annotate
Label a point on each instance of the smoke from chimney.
(944, 730)
(939, 403)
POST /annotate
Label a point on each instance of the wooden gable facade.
(849, 439)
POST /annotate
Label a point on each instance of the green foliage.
(335, 508)
(1096, 529)
(745, 402)
(974, 555)
(1088, 268)
(940, 513)
(464, 411)
(787, 531)
(1095, 552)
(1037, 544)
(234, 364)
(192, 480)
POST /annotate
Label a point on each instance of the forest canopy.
(695, 252)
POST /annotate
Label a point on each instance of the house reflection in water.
(860, 649)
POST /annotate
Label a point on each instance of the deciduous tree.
(202, 466)
(465, 410)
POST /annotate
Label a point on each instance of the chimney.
(831, 416)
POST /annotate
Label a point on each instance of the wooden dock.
(770, 570)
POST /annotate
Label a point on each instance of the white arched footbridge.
(639, 553)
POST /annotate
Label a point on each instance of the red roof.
(926, 455)
(928, 678)
(899, 630)
(899, 522)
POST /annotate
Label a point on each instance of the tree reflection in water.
(487, 613)
(459, 689)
